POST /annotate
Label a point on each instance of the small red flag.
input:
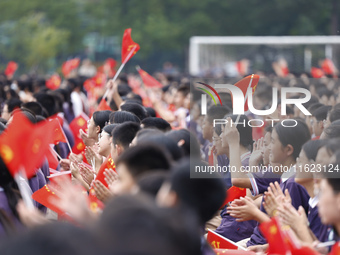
(69, 65)
(234, 193)
(80, 122)
(94, 201)
(52, 158)
(103, 105)
(249, 81)
(328, 67)
(316, 72)
(78, 146)
(148, 80)
(220, 242)
(11, 68)
(128, 45)
(30, 153)
(59, 135)
(44, 195)
(53, 82)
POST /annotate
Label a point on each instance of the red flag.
(30, 153)
(56, 177)
(249, 81)
(316, 72)
(128, 45)
(78, 146)
(80, 122)
(43, 197)
(234, 193)
(103, 105)
(52, 158)
(11, 68)
(59, 135)
(69, 65)
(148, 80)
(335, 249)
(220, 242)
(53, 82)
(94, 201)
(328, 66)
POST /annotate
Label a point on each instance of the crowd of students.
(149, 145)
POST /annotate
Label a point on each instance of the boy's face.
(329, 204)
(179, 99)
(125, 183)
(114, 151)
(317, 126)
(207, 129)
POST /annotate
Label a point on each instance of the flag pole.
(245, 98)
(25, 190)
(121, 68)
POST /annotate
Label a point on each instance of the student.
(187, 141)
(286, 144)
(123, 116)
(104, 143)
(122, 136)
(136, 161)
(9, 106)
(136, 109)
(214, 112)
(204, 196)
(94, 126)
(156, 123)
(318, 119)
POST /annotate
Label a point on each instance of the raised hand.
(102, 193)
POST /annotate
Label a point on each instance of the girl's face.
(104, 144)
(92, 130)
(266, 143)
(329, 204)
(277, 151)
(304, 165)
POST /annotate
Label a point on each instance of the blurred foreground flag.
(23, 145)
(148, 80)
(128, 45)
(53, 82)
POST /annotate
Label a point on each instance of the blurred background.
(41, 34)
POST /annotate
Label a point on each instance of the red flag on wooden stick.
(148, 80)
(220, 242)
(127, 45)
(103, 105)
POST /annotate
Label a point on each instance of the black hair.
(123, 89)
(29, 114)
(136, 219)
(333, 131)
(312, 100)
(124, 133)
(320, 114)
(312, 147)
(2, 127)
(184, 90)
(313, 107)
(143, 158)
(191, 145)
(217, 112)
(40, 118)
(109, 128)
(332, 145)
(101, 118)
(296, 136)
(123, 116)
(151, 112)
(157, 123)
(204, 195)
(150, 183)
(136, 109)
(146, 132)
(47, 101)
(13, 103)
(35, 107)
(166, 142)
(334, 114)
(3, 121)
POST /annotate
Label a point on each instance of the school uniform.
(299, 197)
(320, 231)
(4, 206)
(229, 227)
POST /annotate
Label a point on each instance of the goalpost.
(209, 54)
